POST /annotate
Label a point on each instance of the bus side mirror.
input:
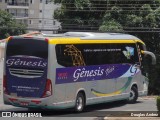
(150, 54)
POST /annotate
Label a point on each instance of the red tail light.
(5, 85)
(10, 38)
(13, 99)
(48, 89)
(46, 39)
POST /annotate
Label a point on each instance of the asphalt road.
(92, 112)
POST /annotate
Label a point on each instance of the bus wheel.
(80, 102)
(133, 95)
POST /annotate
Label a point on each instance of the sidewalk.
(126, 116)
(149, 97)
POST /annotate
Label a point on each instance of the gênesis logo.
(28, 61)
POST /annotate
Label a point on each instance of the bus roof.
(88, 37)
(94, 36)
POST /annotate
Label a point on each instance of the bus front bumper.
(143, 93)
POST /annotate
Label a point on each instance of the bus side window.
(63, 59)
(125, 53)
(98, 54)
(134, 58)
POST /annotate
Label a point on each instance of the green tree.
(110, 26)
(79, 14)
(8, 25)
(135, 17)
(140, 18)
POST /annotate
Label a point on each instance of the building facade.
(37, 15)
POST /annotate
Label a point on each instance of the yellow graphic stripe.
(99, 94)
(105, 94)
(79, 41)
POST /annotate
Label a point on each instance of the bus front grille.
(26, 73)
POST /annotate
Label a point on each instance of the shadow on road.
(98, 110)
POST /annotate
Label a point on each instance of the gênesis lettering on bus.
(97, 72)
(31, 62)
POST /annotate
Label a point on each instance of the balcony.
(18, 4)
(20, 15)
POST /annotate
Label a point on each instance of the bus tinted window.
(124, 53)
(28, 47)
(96, 54)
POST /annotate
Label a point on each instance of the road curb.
(148, 98)
(128, 116)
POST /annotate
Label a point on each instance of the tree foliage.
(79, 14)
(8, 25)
(110, 26)
(137, 17)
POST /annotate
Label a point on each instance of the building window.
(54, 22)
(54, 32)
(6, 1)
(47, 1)
(40, 11)
(30, 21)
(31, 1)
(40, 1)
(40, 21)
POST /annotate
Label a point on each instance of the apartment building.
(37, 15)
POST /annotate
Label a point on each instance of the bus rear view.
(25, 73)
(74, 69)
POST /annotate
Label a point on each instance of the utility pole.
(43, 11)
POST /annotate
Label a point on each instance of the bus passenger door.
(127, 60)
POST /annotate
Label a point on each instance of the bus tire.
(133, 95)
(80, 102)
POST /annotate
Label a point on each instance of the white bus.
(74, 69)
